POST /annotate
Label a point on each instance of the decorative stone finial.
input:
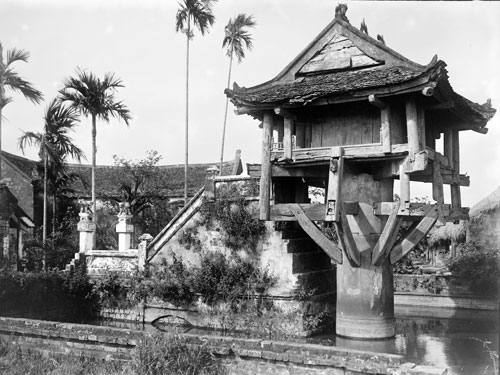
(85, 210)
(340, 12)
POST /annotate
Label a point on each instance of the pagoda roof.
(345, 64)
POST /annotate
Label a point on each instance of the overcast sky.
(136, 39)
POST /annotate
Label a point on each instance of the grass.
(17, 361)
(157, 354)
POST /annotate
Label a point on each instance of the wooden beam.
(287, 137)
(376, 101)
(440, 106)
(316, 235)
(265, 178)
(415, 235)
(334, 193)
(388, 235)
(428, 91)
(346, 239)
(283, 211)
(437, 187)
(456, 200)
(404, 186)
(412, 125)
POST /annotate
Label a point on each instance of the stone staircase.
(311, 265)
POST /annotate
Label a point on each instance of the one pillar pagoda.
(352, 115)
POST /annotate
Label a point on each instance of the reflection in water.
(450, 342)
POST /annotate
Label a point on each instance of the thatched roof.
(446, 233)
(485, 206)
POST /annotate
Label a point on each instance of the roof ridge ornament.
(340, 12)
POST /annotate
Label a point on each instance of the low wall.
(241, 356)
(442, 291)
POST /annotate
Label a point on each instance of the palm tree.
(10, 80)
(236, 40)
(94, 97)
(192, 14)
(55, 145)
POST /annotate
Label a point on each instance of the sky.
(136, 39)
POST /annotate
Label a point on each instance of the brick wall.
(241, 356)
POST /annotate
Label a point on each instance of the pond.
(438, 337)
(443, 338)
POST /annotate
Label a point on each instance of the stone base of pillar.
(365, 328)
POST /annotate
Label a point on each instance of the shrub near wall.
(51, 294)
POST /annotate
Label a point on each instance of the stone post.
(86, 227)
(210, 183)
(124, 228)
(145, 239)
(365, 297)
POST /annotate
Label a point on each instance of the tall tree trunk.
(44, 230)
(1, 155)
(94, 152)
(187, 117)
(225, 114)
(53, 217)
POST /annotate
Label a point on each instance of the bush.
(225, 280)
(480, 266)
(173, 283)
(229, 211)
(67, 296)
(160, 354)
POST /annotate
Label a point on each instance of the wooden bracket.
(346, 239)
(388, 235)
(334, 193)
(316, 235)
(415, 235)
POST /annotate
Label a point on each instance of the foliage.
(159, 354)
(106, 236)
(16, 361)
(479, 266)
(194, 14)
(173, 283)
(220, 279)
(141, 184)
(229, 211)
(34, 293)
(11, 81)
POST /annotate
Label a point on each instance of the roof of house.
(344, 64)
(171, 175)
(485, 206)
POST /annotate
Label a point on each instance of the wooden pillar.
(300, 135)
(448, 146)
(385, 124)
(287, 137)
(456, 199)
(421, 127)
(265, 178)
(412, 126)
(280, 129)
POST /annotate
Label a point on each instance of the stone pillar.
(145, 239)
(124, 228)
(365, 296)
(86, 227)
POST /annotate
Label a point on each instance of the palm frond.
(15, 83)
(15, 54)
(92, 96)
(237, 38)
(194, 14)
